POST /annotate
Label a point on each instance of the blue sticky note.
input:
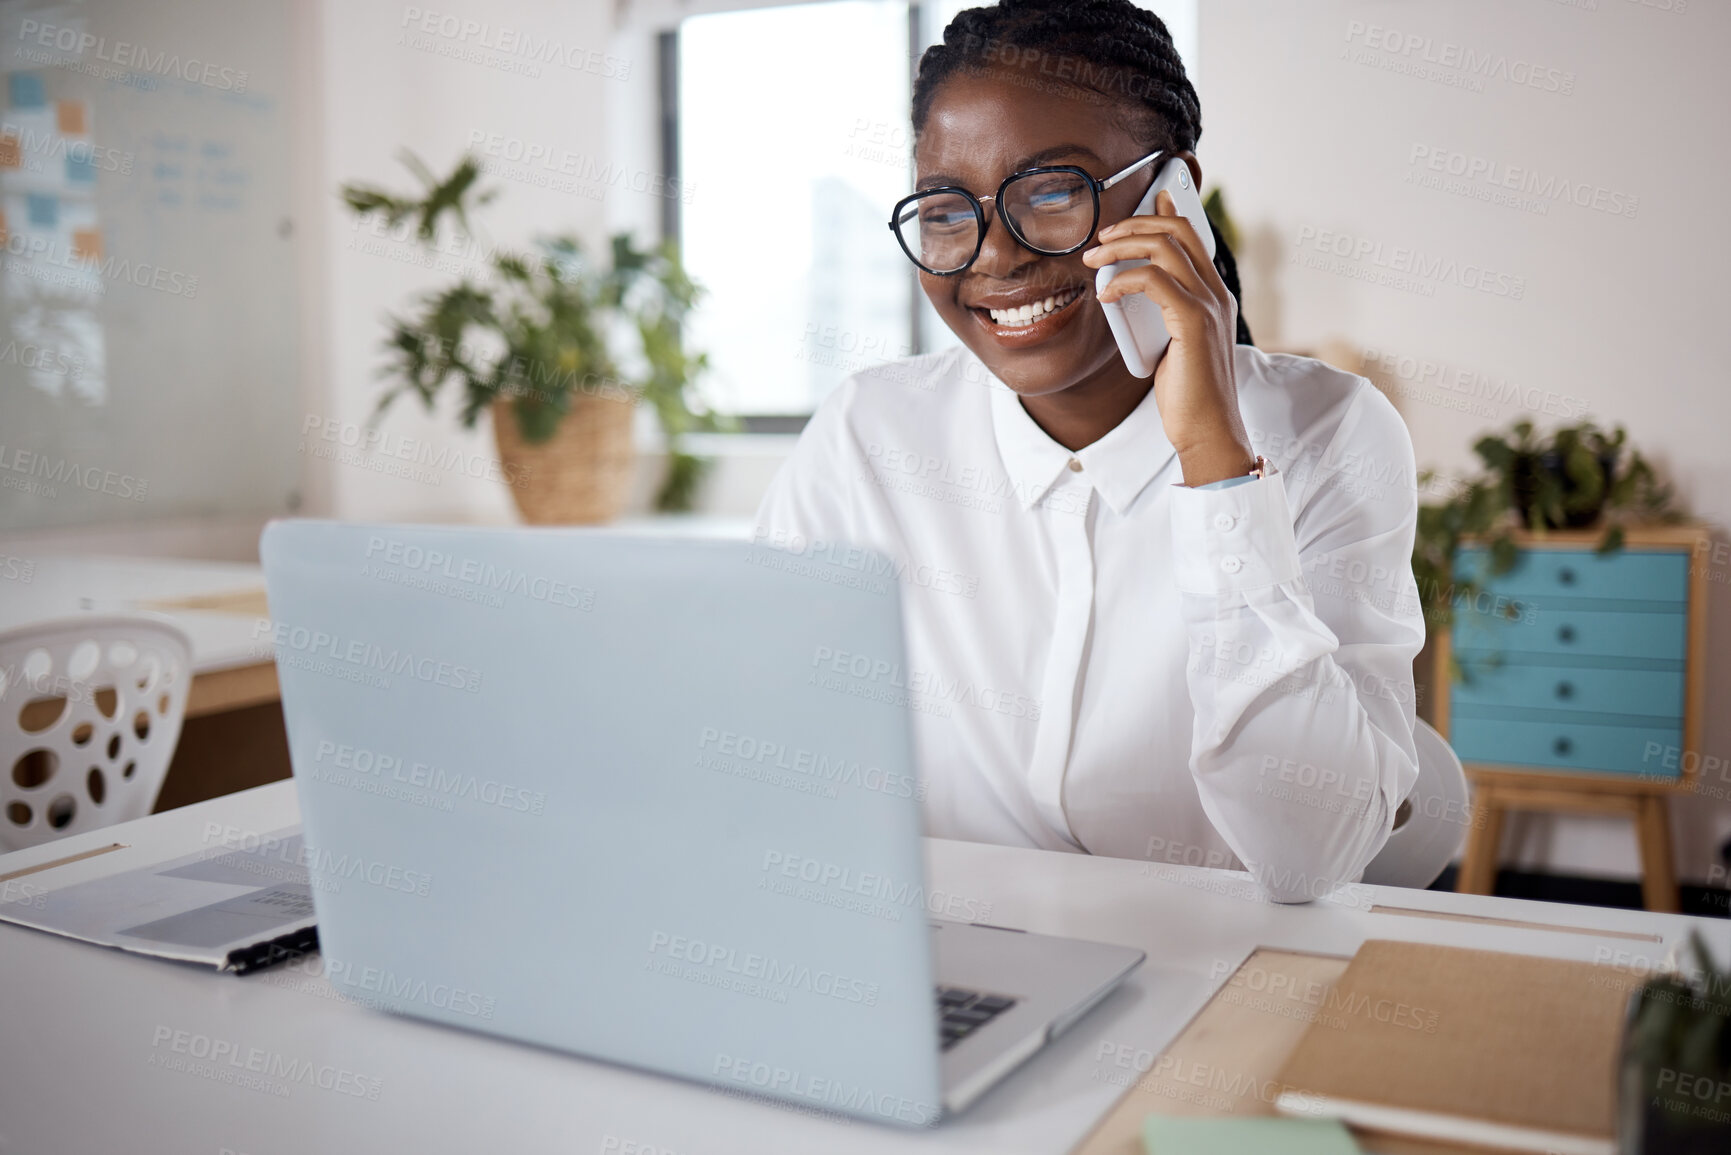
(1226, 1135)
(27, 90)
(80, 168)
(44, 211)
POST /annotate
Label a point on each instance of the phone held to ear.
(1135, 320)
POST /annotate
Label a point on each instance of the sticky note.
(44, 210)
(11, 156)
(71, 117)
(26, 90)
(87, 244)
(1197, 1135)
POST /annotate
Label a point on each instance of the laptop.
(644, 799)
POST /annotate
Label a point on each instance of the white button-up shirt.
(1103, 660)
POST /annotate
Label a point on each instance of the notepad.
(235, 908)
(1189, 1135)
(1466, 1046)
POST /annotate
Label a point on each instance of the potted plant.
(536, 346)
(1576, 477)
(1675, 1094)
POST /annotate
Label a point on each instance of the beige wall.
(1322, 132)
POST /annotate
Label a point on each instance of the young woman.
(1168, 618)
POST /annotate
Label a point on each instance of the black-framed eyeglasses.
(1052, 210)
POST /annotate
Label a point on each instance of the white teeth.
(1027, 313)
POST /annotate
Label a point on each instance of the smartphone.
(1135, 320)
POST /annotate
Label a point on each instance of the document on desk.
(234, 908)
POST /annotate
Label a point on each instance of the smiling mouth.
(1035, 311)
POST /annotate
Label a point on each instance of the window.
(794, 141)
(795, 149)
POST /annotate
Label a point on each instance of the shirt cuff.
(1230, 538)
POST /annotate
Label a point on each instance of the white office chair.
(90, 711)
(1431, 823)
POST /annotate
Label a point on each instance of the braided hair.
(1107, 49)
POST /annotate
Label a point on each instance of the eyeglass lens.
(1052, 211)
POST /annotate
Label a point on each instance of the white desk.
(79, 1023)
(231, 667)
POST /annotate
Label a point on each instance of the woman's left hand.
(1194, 384)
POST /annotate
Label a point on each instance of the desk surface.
(83, 1069)
(63, 587)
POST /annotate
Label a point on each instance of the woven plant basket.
(582, 474)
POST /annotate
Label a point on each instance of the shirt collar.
(1119, 465)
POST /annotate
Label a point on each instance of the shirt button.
(1075, 466)
(1224, 521)
(1231, 564)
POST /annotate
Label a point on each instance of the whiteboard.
(149, 327)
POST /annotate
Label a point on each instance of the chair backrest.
(1431, 823)
(90, 711)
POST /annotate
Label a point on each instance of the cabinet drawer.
(1653, 693)
(1612, 749)
(1642, 575)
(1596, 633)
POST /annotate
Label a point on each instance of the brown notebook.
(1502, 1051)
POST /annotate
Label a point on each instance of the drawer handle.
(1562, 745)
(1565, 689)
(1565, 634)
(1566, 576)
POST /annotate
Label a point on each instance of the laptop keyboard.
(962, 1012)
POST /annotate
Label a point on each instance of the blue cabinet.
(1573, 662)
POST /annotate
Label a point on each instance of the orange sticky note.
(3, 232)
(87, 244)
(11, 156)
(71, 116)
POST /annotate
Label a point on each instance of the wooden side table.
(1582, 688)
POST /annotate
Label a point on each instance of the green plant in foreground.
(1679, 1041)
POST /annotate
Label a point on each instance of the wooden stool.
(1492, 799)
